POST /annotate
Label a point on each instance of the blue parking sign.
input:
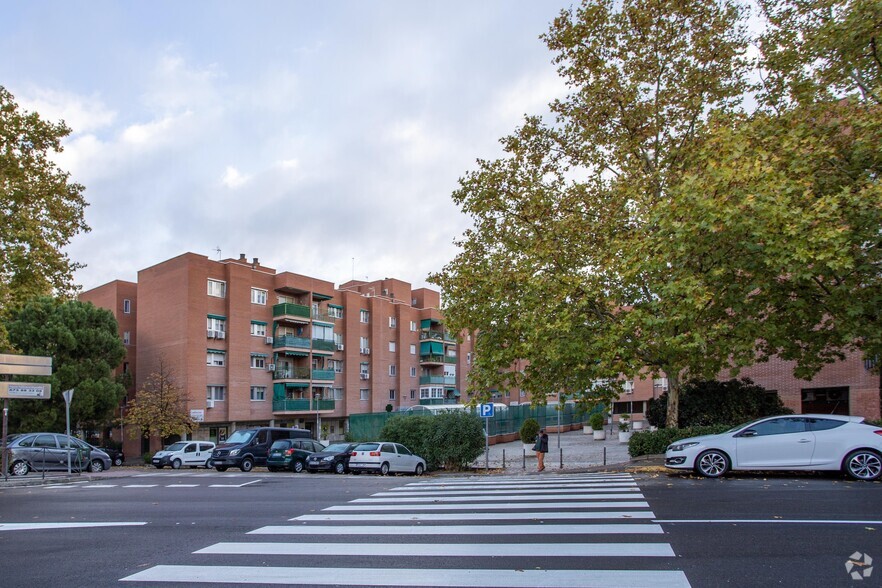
(487, 410)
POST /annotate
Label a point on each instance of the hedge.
(451, 440)
(655, 442)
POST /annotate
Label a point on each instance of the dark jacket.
(542, 442)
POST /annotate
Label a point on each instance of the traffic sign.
(25, 365)
(487, 410)
(25, 390)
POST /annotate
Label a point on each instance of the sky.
(324, 138)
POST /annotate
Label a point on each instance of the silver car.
(384, 458)
(787, 442)
(43, 452)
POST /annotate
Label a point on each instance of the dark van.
(247, 448)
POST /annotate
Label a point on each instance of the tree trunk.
(673, 415)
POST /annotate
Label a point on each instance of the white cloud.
(81, 113)
(233, 179)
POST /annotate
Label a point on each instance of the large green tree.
(83, 342)
(41, 209)
(556, 271)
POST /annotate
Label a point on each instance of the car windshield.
(240, 437)
(281, 444)
(337, 448)
(176, 446)
(367, 447)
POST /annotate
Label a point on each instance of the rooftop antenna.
(218, 250)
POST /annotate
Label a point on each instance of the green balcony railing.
(323, 374)
(432, 401)
(290, 341)
(449, 359)
(431, 358)
(324, 345)
(289, 309)
(302, 405)
(292, 373)
(438, 335)
(445, 380)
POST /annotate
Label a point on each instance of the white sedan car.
(790, 442)
(384, 458)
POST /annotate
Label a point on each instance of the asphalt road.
(653, 530)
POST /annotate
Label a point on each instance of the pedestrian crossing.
(569, 531)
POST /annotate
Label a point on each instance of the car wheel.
(712, 464)
(96, 466)
(221, 468)
(117, 461)
(297, 466)
(176, 464)
(863, 464)
(20, 468)
(208, 463)
(340, 467)
(247, 465)
(384, 469)
(419, 470)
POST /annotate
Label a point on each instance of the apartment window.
(217, 326)
(365, 316)
(413, 349)
(258, 329)
(523, 394)
(391, 394)
(258, 296)
(413, 394)
(258, 361)
(364, 394)
(413, 372)
(468, 359)
(217, 393)
(335, 311)
(258, 393)
(125, 367)
(216, 357)
(337, 393)
(392, 370)
(431, 392)
(413, 326)
(393, 322)
(336, 365)
(392, 346)
(127, 306)
(364, 344)
(322, 332)
(363, 370)
(217, 288)
(127, 337)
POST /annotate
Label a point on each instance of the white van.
(194, 454)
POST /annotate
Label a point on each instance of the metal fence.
(364, 427)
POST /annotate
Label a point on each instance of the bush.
(529, 430)
(596, 421)
(711, 402)
(451, 440)
(655, 442)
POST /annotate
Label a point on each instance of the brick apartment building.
(251, 346)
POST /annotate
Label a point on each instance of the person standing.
(541, 448)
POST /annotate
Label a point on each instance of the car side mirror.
(747, 433)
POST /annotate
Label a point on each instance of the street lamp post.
(318, 418)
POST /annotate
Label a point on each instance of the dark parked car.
(291, 454)
(334, 458)
(43, 452)
(247, 448)
(116, 455)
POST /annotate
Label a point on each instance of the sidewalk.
(569, 452)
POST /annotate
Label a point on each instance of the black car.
(334, 458)
(116, 455)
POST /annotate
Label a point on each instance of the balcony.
(431, 335)
(291, 341)
(297, 313)
(324, 317)
(293, 373)
(432, 358)
(323, 345)
(433, 401)
(323, 375)
(304, 405)
(443, 380)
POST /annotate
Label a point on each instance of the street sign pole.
(20, 365)
(487, 413)
(68, 396)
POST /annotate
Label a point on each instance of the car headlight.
(234, 452)
(681, 446)
(328, 458)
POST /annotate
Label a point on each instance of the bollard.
(524, 464)
(503, 458)
(604, 456)
(561, 458)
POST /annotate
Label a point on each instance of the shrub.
(711, 402)
(596, 421)
(451, 440)
(529, 430)
(655, 442)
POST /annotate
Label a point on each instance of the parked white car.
(384, 458)
(790, 442)
(194, 454)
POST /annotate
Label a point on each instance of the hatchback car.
(43, 452)
(789, 442)
(193, 454)
(291, 454)
(384, 458)
(117, 457)
(334, 458)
